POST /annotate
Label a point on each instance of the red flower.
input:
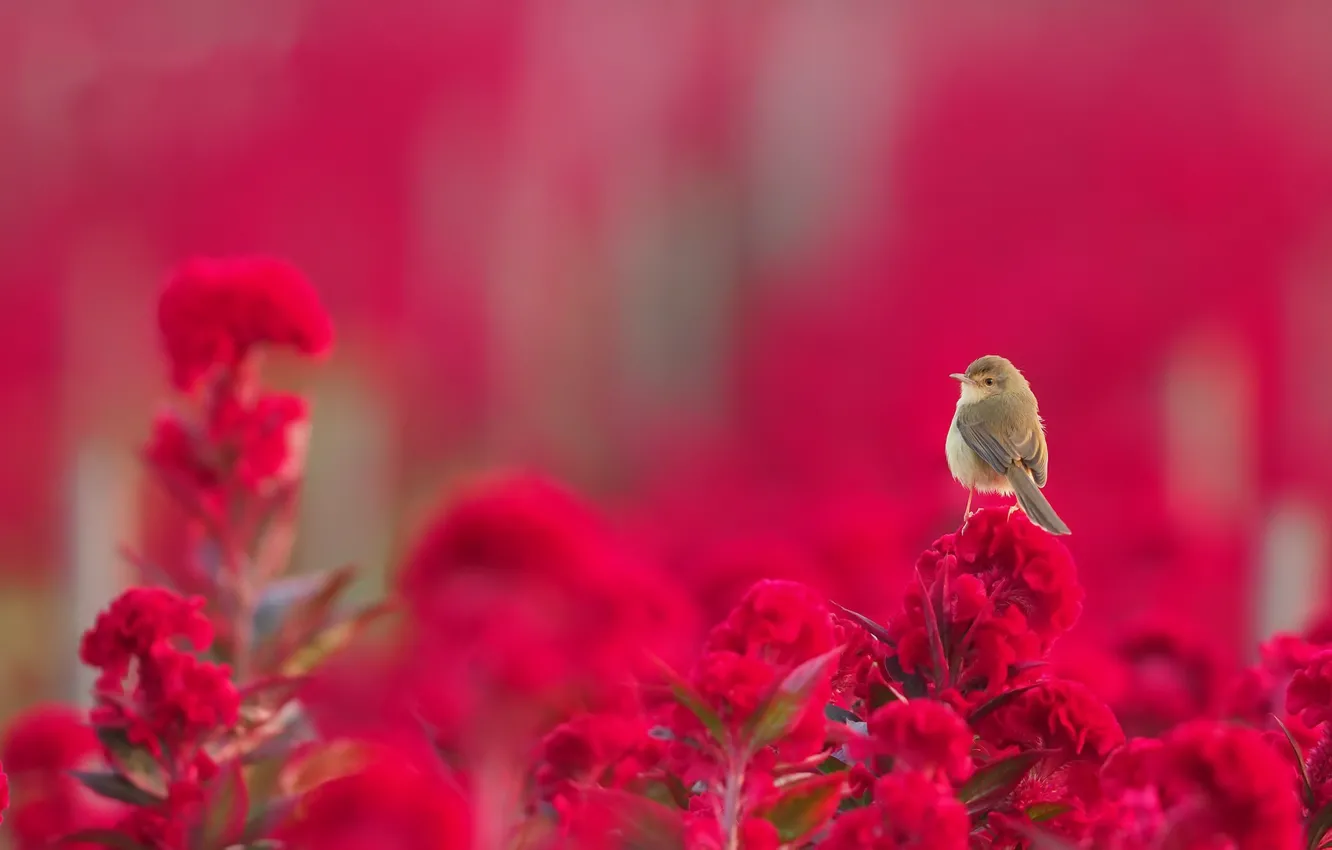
(606, 750)
(213, 312)
(925, 736)
(909, 811)
(137, 622)
(178, 700)
(41, 747)
(1057, 715)
(1227, 781)
(247, 444)
(1261, 691)
(1001, 593)
(1319, 767)
(388, 806)
(782, 622)
(1309, 694)
(524, 601)
(777, 626)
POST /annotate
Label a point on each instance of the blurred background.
(710, 263)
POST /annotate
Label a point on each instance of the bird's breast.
(967, 467)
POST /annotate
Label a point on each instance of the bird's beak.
(961, 379)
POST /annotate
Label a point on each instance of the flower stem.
(735, 778)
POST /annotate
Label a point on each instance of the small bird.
(996, 443)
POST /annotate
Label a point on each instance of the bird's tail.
(1033, 501)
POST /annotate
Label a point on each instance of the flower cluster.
(548, 687)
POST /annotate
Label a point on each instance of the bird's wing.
(1001, 450)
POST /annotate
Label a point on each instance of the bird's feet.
(1012, 511)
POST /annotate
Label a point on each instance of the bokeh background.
(710, 263)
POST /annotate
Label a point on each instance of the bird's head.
(987, 376)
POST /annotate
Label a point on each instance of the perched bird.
(996, 443)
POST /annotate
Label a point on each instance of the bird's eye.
(989, 382)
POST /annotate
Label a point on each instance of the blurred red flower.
(1220, 780)
(924, 736)
(1309, 694)
(41, 747)
(390, 805)
(909, 811)
(213, 312)
(522, 602)
(250, 444)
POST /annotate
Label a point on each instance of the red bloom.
(925, 736)
(387, 806)
(1262, 691)
(137, 622)
(777, 626)
(213, 312)
(1001, 592)
(248, 444)
(1319, 767)
(1058, 715)
(909, 811)
(606, 750)
(40, 749)
(1309, 694)
(524, 601)
(1228, 781)
(178, 700)
(782, 622)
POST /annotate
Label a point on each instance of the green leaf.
(998, 702)
(938, 657)
(1039, 812)
(837, 714)
(301, 607)
(332, 639)
(134, 763)
(1318, 825)
(913, 686)
(113, 786)
(686, 696)
(997, 779)
(1299, 763)
(642, 824)
(878, 631)
(782, 709)
(802, 807)
(104, 837)
(1038, 839)
(228, 807)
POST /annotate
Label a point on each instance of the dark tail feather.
(1033, 502)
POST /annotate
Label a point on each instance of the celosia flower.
(782, 622)
(909, 811)
(1262, 691)
(178, 700)
(1219, 780)
(523, 602)
(213, 312)
(925, 736)
(41, 747)
(777, 626)
(1318, 765)
(1001, 593)
(248, 444)
(389, 805)
(1309, 694)
(702, 831)
(1056, 715)
(595, 750)
(137, 622)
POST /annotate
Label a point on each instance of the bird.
(996, 443)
